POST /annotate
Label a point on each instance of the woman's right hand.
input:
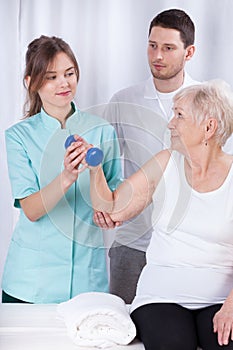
(223, 321)
(74, 159)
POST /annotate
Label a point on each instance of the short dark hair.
(176, 19)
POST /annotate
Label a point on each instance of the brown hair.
(176, 19)
(40, 53)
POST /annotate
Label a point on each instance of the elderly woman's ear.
(210, 127)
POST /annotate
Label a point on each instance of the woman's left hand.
(223, 321)
(104, 221)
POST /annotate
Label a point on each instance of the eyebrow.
(51, 71)
(167, 44)
(177, 108)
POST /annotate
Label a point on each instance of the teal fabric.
(62, 254)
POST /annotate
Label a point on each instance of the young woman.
(56, 251)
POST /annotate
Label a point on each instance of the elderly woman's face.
(186, 133)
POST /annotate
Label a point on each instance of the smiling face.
(60, 84)
(186, 133)
(166, 53)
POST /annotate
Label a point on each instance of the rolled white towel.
(98, 320)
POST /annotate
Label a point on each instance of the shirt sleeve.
(112, 160)
(112, 115)
(22, 177)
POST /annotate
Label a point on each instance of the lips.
(64, 93)
(158, 66)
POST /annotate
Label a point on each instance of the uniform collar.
(52, 123)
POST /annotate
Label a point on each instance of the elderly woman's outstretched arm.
(133, 195)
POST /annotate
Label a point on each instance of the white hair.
(211, 99)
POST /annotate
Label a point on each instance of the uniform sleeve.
(112, 160)
(22, 177)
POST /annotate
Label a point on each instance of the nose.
(171, 124)
(157, 54)
(63, 81)
(154, 53)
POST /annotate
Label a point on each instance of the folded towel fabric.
(98, 320)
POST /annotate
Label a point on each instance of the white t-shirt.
(190, 256)
(140, 116)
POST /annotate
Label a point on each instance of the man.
(140, 115)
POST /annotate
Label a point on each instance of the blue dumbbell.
(94, 155)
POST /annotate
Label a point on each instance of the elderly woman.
(185, 292)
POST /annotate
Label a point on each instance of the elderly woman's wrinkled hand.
(223, 322)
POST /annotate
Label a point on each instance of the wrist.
(66, 181)
(94, 169)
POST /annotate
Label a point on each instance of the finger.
(215, 325)
(118, 223)
(73, 146)
(218, 327)
(100, 218)
(226, 333)
(220, 330)
(73, 152)
(83, 167)
(73, 163)
(96, 219)
(79, 138)
(77, 155)
(108, 220)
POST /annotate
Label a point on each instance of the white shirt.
(228, 147)
(140, 116)
(190, 256)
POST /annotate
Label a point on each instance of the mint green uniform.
(62, 254)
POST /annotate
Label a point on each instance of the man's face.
(166, 53)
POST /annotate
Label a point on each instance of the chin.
(174, 144)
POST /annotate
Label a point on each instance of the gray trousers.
(126, 265)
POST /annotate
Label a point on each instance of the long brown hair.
(40, 53)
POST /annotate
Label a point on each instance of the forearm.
(127, 201)
(101, 195)
(42, 202)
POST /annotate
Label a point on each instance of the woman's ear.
(27, 81)
(210, 128)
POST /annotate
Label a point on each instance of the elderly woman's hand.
(223, 321)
